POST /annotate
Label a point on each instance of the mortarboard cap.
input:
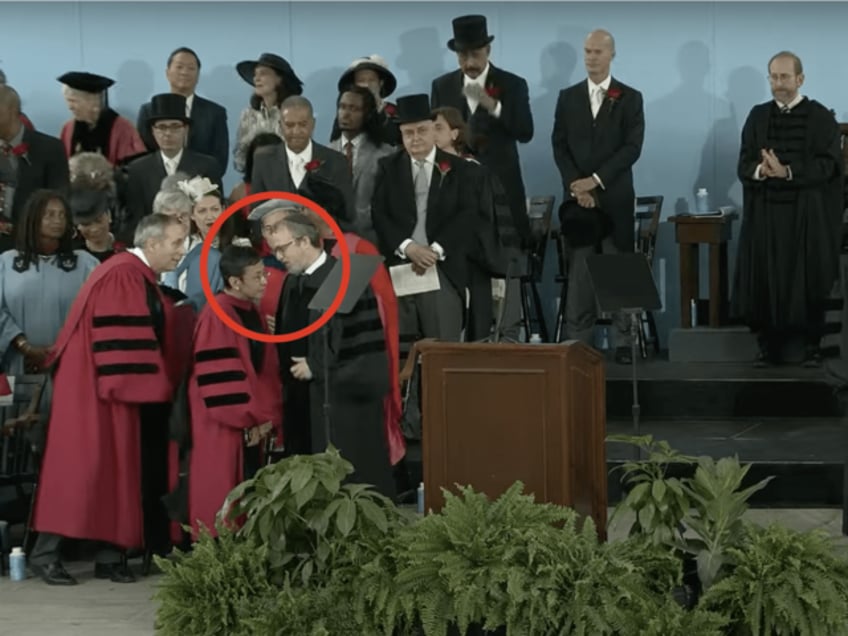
(259, 212)
(87, 82)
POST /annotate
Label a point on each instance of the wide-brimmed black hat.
(86, 205)
(412, 108)
(469, 33)
(168, 106)
(86, 82)
(373, 63)
(246, 68)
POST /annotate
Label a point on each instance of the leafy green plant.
(310, 523)
(671, 619)
(783, 583)
(204, 592)
(658, 501)
(719, 502)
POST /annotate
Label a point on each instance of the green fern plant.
(311, 523)
(204, 592)
(783, 583)
(670, 619)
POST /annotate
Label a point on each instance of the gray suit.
(271, 173)
(364, 180)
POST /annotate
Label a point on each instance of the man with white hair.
(103, 466)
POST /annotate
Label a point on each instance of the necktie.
(784, 109)
(472, 103)
(297, 170)
(597, 100)
(348, 148)
(422, 189)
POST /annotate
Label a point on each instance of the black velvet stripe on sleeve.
(102, 346)
(221, 377)
(208, 355)
(130, 368)
(228, 399)
(118, 320)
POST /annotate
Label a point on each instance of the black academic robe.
(790, 236)
(358, 380)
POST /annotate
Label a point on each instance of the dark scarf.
(87, 139)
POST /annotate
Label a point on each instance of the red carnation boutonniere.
(313, 165)
(21, 151)
(390, 110)
(444, 167)
(493, 91)
(613, 95)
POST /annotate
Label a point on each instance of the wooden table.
(691, 232)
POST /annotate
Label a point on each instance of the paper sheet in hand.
(406, 282)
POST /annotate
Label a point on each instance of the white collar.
(305, 156)
(479, 80)
(603, 85)
(355, 142)
(322, 258)
(175, 160)
(140, 253)
(791, 104)
(429, 159)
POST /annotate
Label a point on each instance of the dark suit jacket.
(451, 211)
(145, 177)
(46, 166)
(271, 173)
(608, 146)
(208, 134)
(494, 140)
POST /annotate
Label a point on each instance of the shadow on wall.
(133, 87)
(321, 88)
(423, 57)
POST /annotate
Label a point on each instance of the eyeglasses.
(282, 249)
(168, 128)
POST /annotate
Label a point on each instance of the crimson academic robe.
(234, 385)
(108, 360)
(124, 141)
(381, 286)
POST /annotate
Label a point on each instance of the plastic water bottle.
(421, 498)
(702, 201)
(17, 564)
(535, 338)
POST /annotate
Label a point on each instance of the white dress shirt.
(297, 163)
(189, 104)
(781, 106)
(138, 252)
(322, 258)
(480, 81)
(171, 165)
(429, 164)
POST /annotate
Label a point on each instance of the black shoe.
(623, 355)
(115, 572)
(53, 574)
(812, 358)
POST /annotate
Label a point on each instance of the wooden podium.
(496, 413)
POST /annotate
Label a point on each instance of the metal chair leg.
(525, 311)
(540, 314)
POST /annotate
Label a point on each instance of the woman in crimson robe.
(330, 198)
(95, 127)
(235, 395)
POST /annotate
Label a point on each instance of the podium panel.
(497, 413)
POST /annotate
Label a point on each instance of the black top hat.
(168, 106)
(373, 63)
(87, 205)
(87, 82)
(412, 108)
(246, 68)
(469, 33)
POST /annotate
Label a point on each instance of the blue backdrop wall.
(700, 66)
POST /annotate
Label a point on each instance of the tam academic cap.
(86, 82)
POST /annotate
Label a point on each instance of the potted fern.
(782, 582)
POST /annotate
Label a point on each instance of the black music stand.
(362, 268)
(624, 283)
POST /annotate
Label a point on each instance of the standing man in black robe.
(358, 366)
(791, 168)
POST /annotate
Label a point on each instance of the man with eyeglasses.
(791, 168)
(170, 126)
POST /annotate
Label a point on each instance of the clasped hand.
(258, 433)
(300, 369)
(422, 258)
(475, 91)
(770, 165)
